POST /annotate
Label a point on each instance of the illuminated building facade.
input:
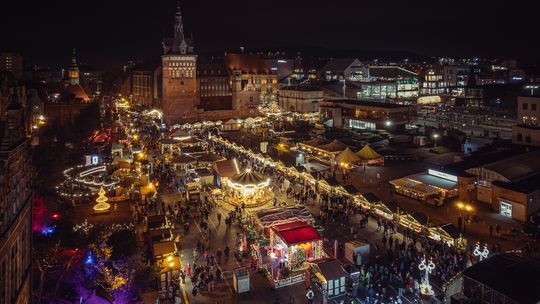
(194, 91)
(432, 81)
(15, 207)
(301, 99)
(12, 63)
(390, 82)
(365, 115)
(527, 130)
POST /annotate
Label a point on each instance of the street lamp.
(388, 123)
(435, 137)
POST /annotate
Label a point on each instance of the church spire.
(73, 71)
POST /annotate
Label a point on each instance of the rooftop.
(510, 275)
(368, 103)
(390, 72)
(518, 167)
(303, 88)
(296, 232)
(246, 63)
(339, 64)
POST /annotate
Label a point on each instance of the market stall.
(369, 156)
(330, 278)
(292, 246)
(449, 234)
(386, 210)
(416, 221)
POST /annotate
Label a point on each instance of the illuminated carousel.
(249, 188)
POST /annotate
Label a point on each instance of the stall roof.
(392, 206)
(417, 186)
(515, 277)
(163, 248)
(420, 217)
(332, 269)
(451, 230)
(434, 181)
(371, 197)
(351, 189)
(296, 232)
(156, 220)
(227, 168)
(160, 234)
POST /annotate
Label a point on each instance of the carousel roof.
(347, 156)
(367, 153)
(334, 146)
(248, 178)
(209, 157)
(296, 232)
(183, 159)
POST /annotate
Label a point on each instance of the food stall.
(387, 210)
(330, 277)
(368, 200)
(449, 234)
(292, 246)
(416, 221)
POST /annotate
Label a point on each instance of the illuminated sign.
(95, 160)
(428, 99)
(442, 175)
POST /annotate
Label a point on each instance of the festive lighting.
(55, 216)
(48, 230)
(481, 254)
(426, 267)
(102, 206)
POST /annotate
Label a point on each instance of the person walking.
(490, 228)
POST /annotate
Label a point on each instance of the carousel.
(249, 189)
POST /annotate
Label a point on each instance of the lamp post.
(435, 137)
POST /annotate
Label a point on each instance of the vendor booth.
(224, 170)
(330, 277)
(368, 156)
(292, 246)
(387, 210)
(430, 188)
(368, 200)
(448, 234)
(416, 221)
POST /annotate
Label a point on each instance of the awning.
(414, 186)
(434, 181)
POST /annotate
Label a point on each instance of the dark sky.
(113, 31)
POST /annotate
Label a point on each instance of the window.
(528, 139)
(524, 106)
(519, 137)
(533, 107)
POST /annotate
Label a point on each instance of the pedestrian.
(490, 231)
(498, 230)
(219, 218)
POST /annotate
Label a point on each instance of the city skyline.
(106, 33)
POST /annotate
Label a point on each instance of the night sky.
(114, 31)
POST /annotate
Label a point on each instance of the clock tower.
(179, 64)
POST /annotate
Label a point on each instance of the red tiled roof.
(296, 232)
